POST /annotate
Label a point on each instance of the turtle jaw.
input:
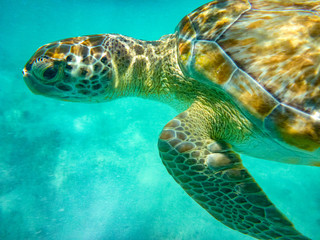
(51, 91)
(40, 89)
(34, 85)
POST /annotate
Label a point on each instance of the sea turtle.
(245, 76)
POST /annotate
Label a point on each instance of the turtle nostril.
(28, 66)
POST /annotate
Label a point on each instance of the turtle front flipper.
(213, 175)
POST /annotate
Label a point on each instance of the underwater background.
(92, 171)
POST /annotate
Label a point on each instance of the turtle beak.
(28, 78)
(33, 83)
(24, 72)
(36, 87)
(29, 82)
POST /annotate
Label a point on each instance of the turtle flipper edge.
(213, 175)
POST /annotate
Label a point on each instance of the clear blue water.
(79, 171)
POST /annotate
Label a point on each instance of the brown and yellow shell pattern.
(266, 55)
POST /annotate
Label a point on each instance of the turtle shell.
(266, 55)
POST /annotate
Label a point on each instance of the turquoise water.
(86, 172)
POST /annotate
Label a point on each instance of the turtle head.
(99, 68)
(74, 69)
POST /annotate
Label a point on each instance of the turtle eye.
(50, 73)
(46, 69)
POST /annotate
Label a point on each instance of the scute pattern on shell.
(287, 5)
(281, 51)
(212, 19)
(266, 55)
